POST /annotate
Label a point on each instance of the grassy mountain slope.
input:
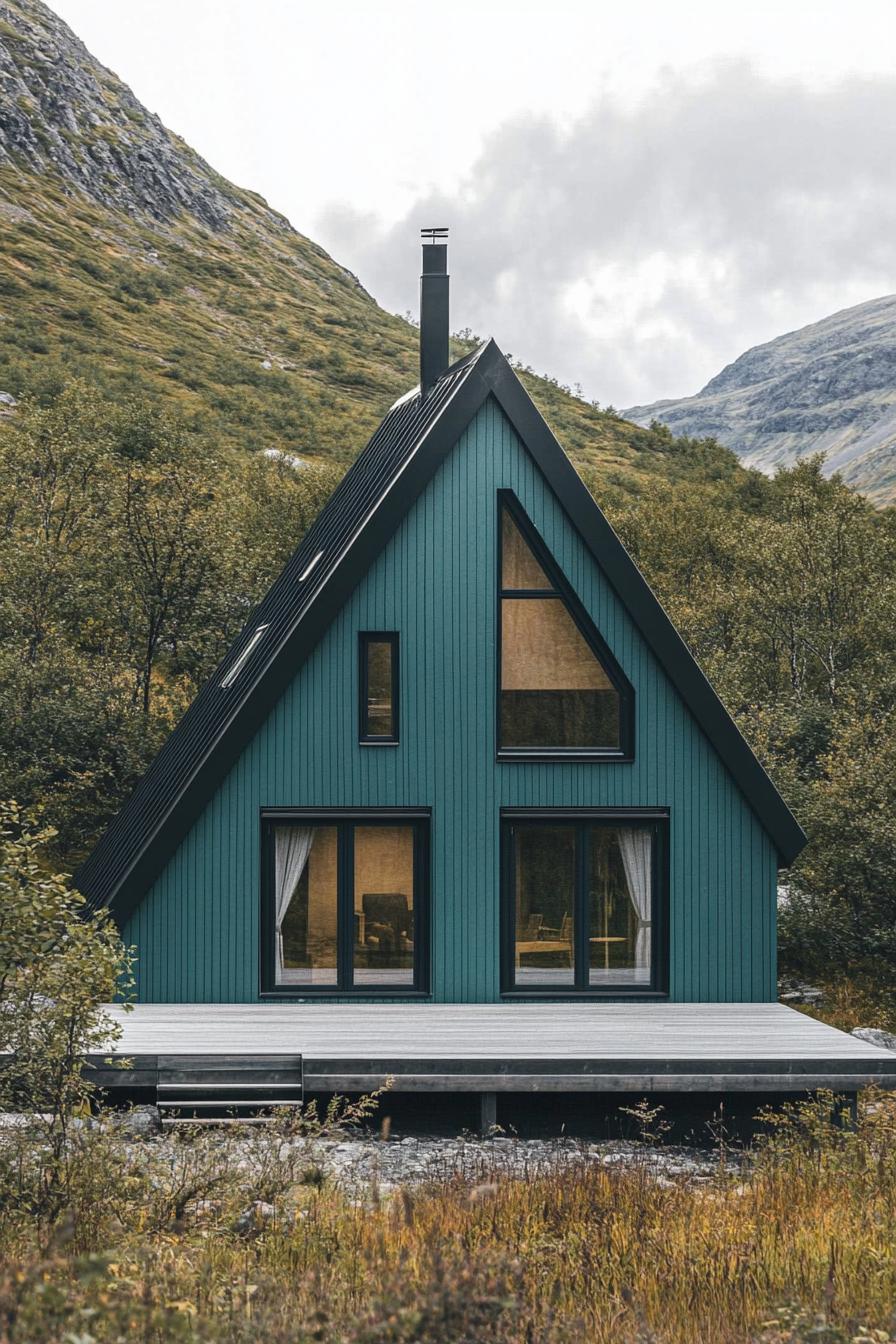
(128, 260)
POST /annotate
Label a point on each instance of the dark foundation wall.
(696, 1119)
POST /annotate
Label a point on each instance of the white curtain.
(292, 845)
(636, 845)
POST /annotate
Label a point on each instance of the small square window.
(378, 683)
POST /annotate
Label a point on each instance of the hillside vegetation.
(161, 328)
(251, 334)
(130, 262)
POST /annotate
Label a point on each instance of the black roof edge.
(280, 669)
(487, 373)
(649, 615)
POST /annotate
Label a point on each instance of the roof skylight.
(306, 572)
(240, 663)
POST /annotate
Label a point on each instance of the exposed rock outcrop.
(137, 267)
(63, 112)
(829, 387)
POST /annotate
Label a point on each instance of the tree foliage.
(57, 969)
(133, 550)
(786, 591)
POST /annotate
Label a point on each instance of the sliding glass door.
(344, 903)
(582, 903)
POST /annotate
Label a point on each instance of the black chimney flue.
(433, 308)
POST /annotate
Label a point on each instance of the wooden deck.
(560, 1047)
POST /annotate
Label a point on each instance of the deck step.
(219, 1121)
(202, 1080)
(221, 1087)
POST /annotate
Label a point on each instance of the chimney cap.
(434, 235)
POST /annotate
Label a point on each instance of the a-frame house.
(458, 756)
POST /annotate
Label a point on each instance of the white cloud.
(639, 247)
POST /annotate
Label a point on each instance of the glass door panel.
(383, 939)
(620, 897)
(545, 882)
(306, 899)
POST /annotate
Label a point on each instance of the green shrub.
(57, 969)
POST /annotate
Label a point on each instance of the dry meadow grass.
(798, 1245)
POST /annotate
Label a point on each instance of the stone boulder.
(142, 1122)
(876, 1036)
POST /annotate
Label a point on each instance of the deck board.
(588, 1046)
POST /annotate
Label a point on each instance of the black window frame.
(581, 819)
(365, 639)
(346, 819)
(562, 589)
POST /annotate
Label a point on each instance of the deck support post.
(488, 1112)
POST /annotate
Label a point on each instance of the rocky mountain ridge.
(829, 387)
(131, 264)
(63, 112)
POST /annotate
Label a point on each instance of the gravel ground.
(356, 1162)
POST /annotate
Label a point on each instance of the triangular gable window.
(560, 689)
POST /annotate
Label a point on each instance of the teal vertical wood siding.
(197, 929)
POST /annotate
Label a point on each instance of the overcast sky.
(637, 192)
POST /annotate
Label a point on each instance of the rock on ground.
(875, 1036)
(143, 1122)
(790, 991)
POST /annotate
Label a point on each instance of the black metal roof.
(363, 512)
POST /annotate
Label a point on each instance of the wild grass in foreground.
(161, 1240)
